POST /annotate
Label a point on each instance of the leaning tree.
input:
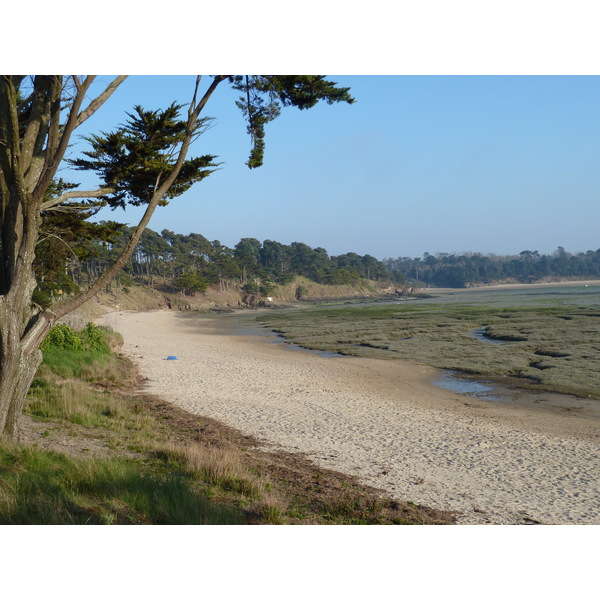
(142, 163)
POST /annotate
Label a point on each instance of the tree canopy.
(176, 258)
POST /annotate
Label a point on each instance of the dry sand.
(380, 420)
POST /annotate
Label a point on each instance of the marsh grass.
(552, 347)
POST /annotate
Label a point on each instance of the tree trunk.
(20, 358)
(12, 397)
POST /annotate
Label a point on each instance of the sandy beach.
(380, 420)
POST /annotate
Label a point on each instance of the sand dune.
(382, 421)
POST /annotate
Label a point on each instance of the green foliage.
(125, 280)
(190, 283)
(284, 278)
(266, 288)
(247, 255)
(137, 157)
(59, 283)
(91, 339)
(255, 264)
(39, 487)
(343, 277)
(62, 337)
(250, 287)
(41, 298)
(67, 234)
(263, 96)
(301, 292)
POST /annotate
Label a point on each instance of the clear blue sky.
(492, 164)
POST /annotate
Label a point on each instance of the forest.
(190, 263)
(464, 270)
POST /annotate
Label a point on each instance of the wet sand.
(383, 421)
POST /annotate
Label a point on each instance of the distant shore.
(383, 421)
(514, 286)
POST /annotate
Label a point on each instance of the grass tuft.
(39, 487)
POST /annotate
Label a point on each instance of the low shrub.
(62, 337)
(94, 338)
(91, 338)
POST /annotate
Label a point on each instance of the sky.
(419, 163)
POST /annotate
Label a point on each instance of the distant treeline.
(189, 263)
(462, 270)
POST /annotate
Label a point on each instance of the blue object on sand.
(171, 358)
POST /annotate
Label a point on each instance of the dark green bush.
(94, 338)
(64, 338)
(91, 338)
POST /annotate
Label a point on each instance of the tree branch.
(9, 130)
(37, 125)
(75, 194)
(74, 120)
(53, 235)
(209, 92)
(100, 100)
(47, 134)
(193, 102)
(55, 155)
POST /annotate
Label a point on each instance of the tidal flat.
(551, 335)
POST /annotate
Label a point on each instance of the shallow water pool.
(482, 336)
(450, 380)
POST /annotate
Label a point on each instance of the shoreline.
(516, 286)
(382, 421)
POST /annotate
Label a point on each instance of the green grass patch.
(39, 487)
(73, 363)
